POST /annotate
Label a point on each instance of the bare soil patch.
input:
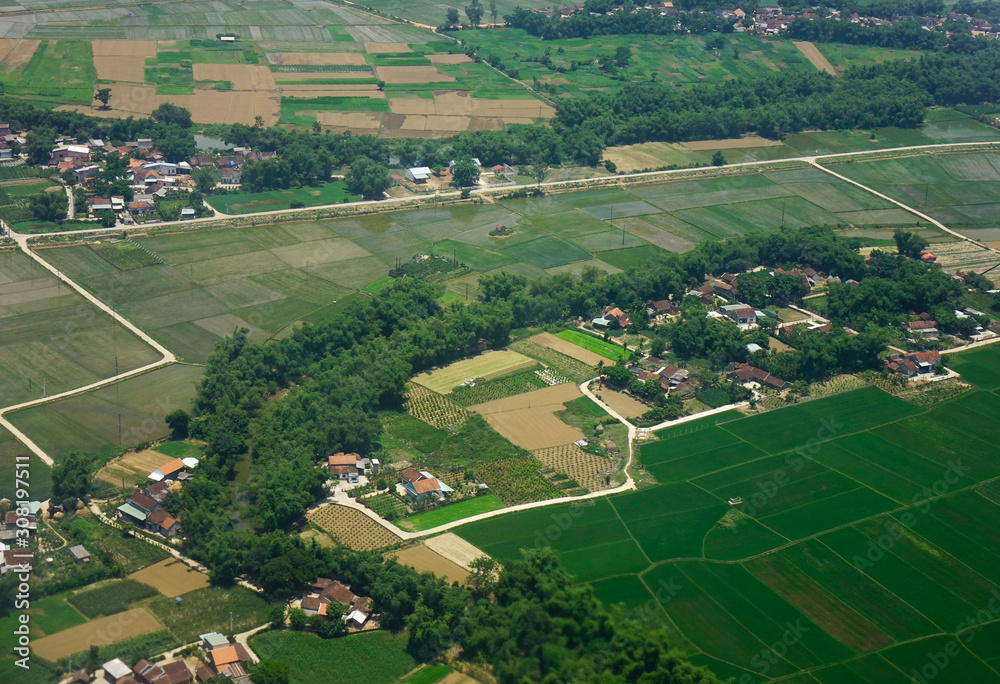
(424, 559)
(731, 143)
(419, 122)
(242, 76)
(171, 577)
(412, 74)
(20, 54)
(319, 58)
(121, 68)
(377, 48)
(349, 120)
(450, 59)
(455, 549)
(411, 105)
(529, 421)
(623, 404)
(117, 48)
(812, 53)
(574, 351)
(102, 632)
(6, 45)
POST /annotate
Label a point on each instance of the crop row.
(575, 370)
(498, 388)
(517, 481)
(352, 528)
(591, 471)
(433, 408)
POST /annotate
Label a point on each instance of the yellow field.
(487, 365)
(171, 577)
(133, 467)
(574, 351)
(102, 632)
(424, 559)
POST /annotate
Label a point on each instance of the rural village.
(484, 344)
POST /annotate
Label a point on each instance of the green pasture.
(273, 200)
(451, 513)
(860, 523)
(594, 344)
(60, 71)
(295, 110)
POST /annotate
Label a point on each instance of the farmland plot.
(528, 420)
(352, 528)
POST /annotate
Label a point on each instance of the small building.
(335, 591)
(419, 174)
(116, 670)
(913, 364)
(229, 176)
(143, 207)
(81, 676)
(168, 471)
(161, 522)
(79, 554)
(926, 329)
(420, 484)
(187, 213)
(212, 640)
(100, 204)
(741, 314)
(67, 152)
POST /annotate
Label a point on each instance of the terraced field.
(864, 524)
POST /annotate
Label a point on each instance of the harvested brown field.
(377, 48)
(131, 466)
(529, 421)
(102, 632)
(812, 53)
(120, 68)
(423, 559)
(731, 143)
(574, 351)
(412, 74)
(118, 48)
(349, 120)
(449, 59)
(622, 404)
(352, 528)
(588, 470)
(242, 76)
(317, 58)
(20, 54)
(171, 577)
(411, 105)
(455, 549)
(419, 122)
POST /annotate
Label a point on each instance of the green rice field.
(594, 344)
(866, 527)
(451, 513)
(273, 200)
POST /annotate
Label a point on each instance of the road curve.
(168, 356)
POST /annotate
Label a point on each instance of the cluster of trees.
(760, 288)
(908, 34)
(299, 164)
(585, 25)
(368, 178)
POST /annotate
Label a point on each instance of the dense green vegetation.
(111, 598)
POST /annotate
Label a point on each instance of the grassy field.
(594, 344)
(451, 513)
(272, 200)
(374, 657)
(208, 609)
(864, 520)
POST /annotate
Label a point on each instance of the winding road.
(168, 357)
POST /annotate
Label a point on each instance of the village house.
(144, 207)
(67, 152)
(741, 314)
(925, 329)
(912, 364)
(705, 293)
(229, 177)
(351, 466)
(116, 670)
(99, 204)
(659, 309)
(420, 484)
(357, 609)
(224, 658)
(15, 520)
(745, 374)
(16, 560)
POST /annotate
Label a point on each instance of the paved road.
(168, 357)
(391, 204)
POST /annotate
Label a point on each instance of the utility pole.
(783, 212)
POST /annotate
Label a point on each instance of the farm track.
(22, 241)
